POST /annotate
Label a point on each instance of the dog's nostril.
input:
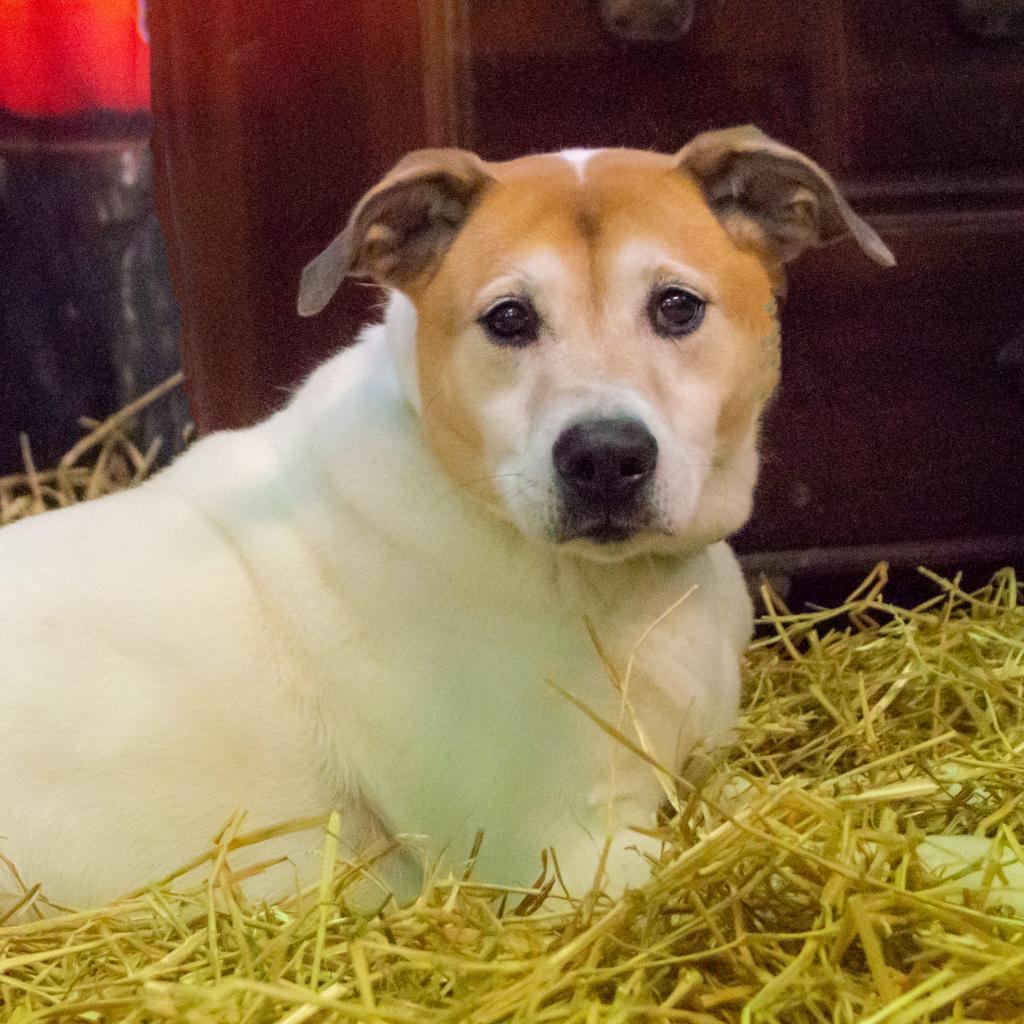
(632, 466)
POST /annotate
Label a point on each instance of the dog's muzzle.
(604, 469)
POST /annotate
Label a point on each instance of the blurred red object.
(67, 56)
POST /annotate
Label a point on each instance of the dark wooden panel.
(271, 120)
(895, 422)
(929, 96)
(546, 76)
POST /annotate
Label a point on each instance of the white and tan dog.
(359, 603)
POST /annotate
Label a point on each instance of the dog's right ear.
(400, 229)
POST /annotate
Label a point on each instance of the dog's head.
(596, 331)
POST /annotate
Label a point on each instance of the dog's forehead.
(598, 181)
(587, 201)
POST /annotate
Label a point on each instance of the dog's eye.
(673, 311)
(511, 322)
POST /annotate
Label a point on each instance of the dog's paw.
(626, 865)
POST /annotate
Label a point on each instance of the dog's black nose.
(605, 463)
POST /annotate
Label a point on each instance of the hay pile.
(797, 886)
(106, 459)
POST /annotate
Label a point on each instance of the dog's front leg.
(627, 864)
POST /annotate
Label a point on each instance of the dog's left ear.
(773, 197)
(401, 227)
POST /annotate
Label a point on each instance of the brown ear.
(772, 196)
(401, 227)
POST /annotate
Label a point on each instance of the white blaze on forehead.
(578, 158)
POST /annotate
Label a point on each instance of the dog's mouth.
(602, 528)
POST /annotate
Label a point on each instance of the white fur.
(579, 158)
(306, 616)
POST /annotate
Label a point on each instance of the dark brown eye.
(511, 322)
(674, 311)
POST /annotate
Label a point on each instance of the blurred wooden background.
(898, 430)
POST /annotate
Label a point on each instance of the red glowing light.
(66, 56)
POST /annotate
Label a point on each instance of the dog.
(415, 593)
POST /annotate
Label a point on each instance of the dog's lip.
(605, 529)
(608, 533)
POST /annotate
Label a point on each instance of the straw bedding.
(856, 858)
